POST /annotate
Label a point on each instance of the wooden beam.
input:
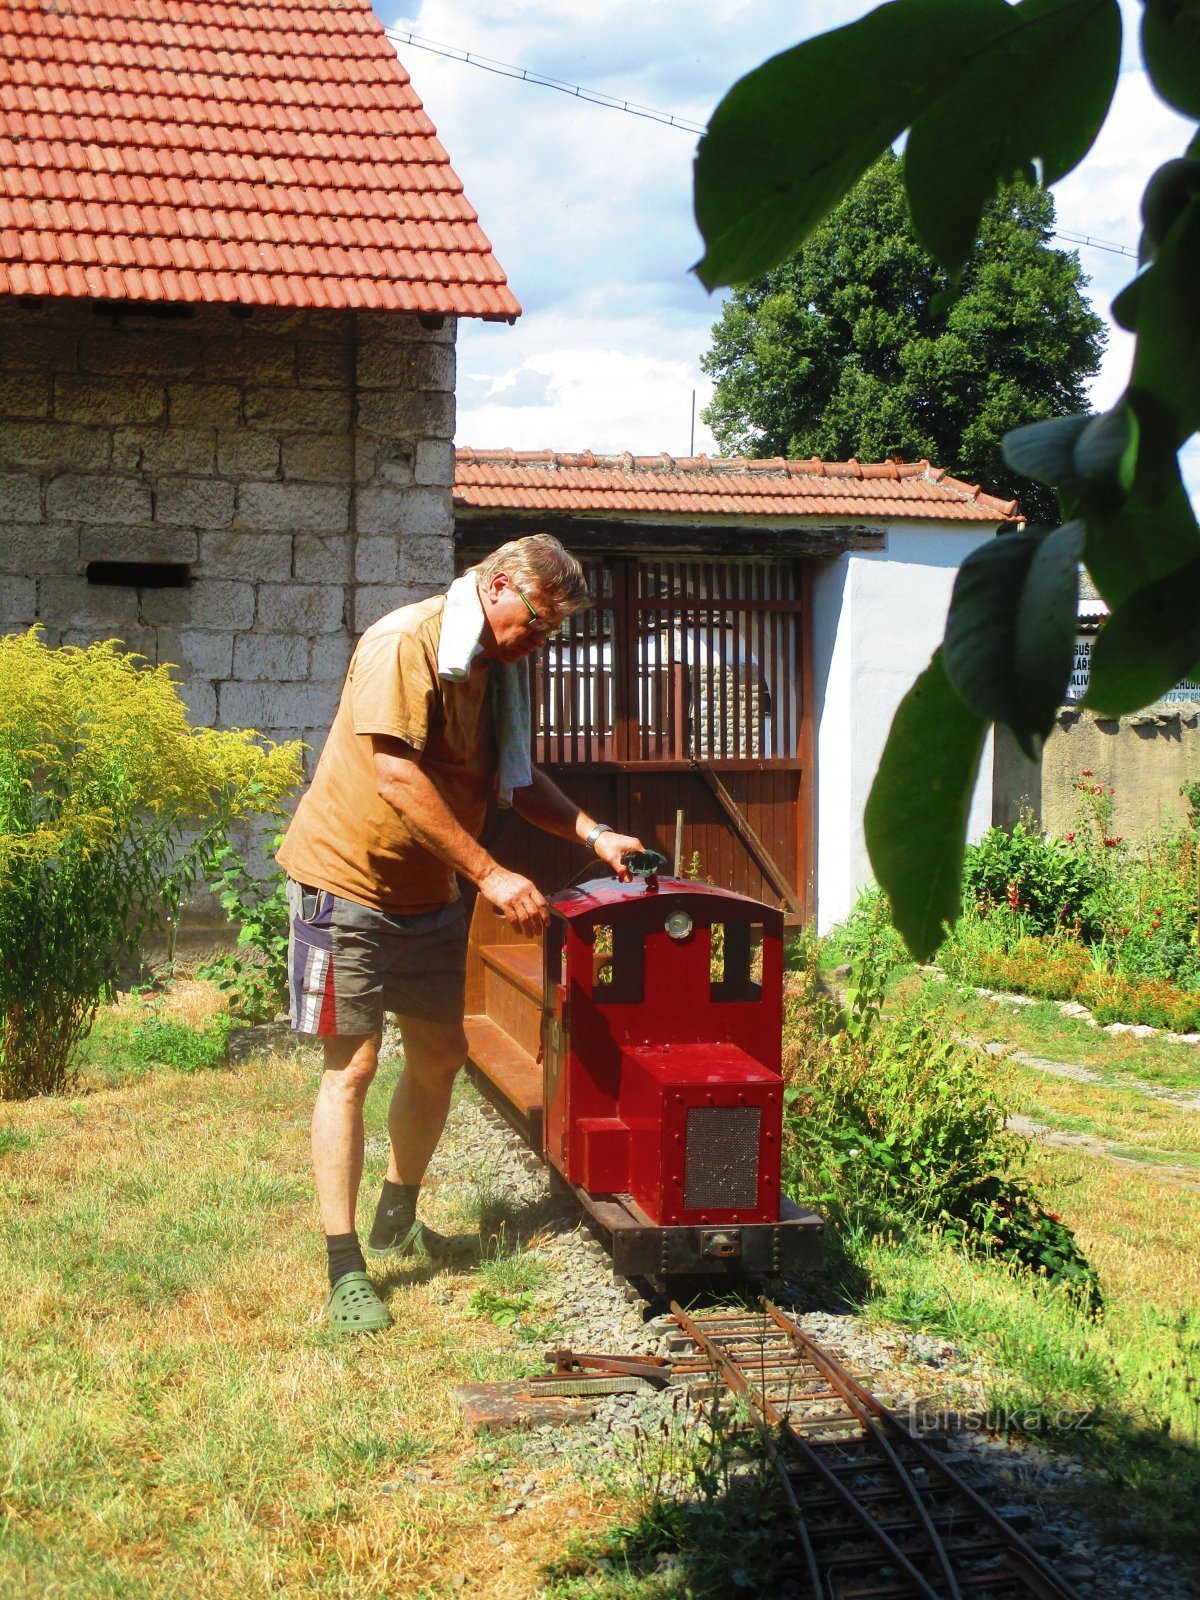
(766, 861)
(480, 531)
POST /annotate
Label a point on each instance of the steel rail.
(776, 1460)
(1045, 1581)
(900, 1472)
(762, 1408)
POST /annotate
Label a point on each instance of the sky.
(589, 210)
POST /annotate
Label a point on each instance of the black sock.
(395, 1213)
(344, 1255)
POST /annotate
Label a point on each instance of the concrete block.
(406, 513)
(427, 561)
(204, 405)
(38, 548)
(18, 601)
(318, 458)
(155, 450)
(301, 608)
(20, 498)
(32, 347)
(276, 705)
(54, 446)
(205, 603)
(272, 656)
(194, 502)
(299, 410)
(435, 463)
(375, 600)
(87, 497)
(297, 507)
(384, 365)
(318, 558)
(329, 656)
(376, 560)
(398, 325)
(257, 556)
(157, 351)
(324, 366)
(411, 414)
(134, 641)
(394, 462)
(250, 359)
(200, 698)
(138, 544)
(108, 400)
(242, 454)
(24, 394)
(197, 654)
(76, 603)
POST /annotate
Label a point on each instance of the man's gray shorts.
(348, 963)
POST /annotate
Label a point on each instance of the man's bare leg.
(337, 1127)
(433, 1054)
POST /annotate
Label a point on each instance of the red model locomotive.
(658, 1097)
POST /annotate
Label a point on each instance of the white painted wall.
(878, 616)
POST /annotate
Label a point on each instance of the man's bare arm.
(545, 805)
(400, 782)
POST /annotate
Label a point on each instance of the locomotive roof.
(610, 894)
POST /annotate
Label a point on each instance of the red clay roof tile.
(275, 152)
(543, 480)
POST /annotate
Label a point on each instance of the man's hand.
(521, 902)
(611, 847)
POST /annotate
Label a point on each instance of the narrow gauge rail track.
(877, 1513)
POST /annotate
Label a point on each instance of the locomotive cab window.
(617, 964)
(735, 961)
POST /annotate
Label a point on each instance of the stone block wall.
(298, 464)
(1145, 759)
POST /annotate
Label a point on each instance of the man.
(434, 706)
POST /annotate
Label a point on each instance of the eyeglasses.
(535, 622)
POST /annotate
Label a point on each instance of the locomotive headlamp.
(678, 924)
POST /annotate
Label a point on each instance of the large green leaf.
(1065, 55)
(1045, 451)
(916, 816)
(1166, 363)
(1148, 645)
(1010, 634)
(1150, 532)
(1171, 47)
(790, 138)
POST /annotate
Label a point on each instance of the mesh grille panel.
(721, 1161)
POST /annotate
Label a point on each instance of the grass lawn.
(175, 1418)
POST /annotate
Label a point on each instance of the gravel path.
(1042, 1491)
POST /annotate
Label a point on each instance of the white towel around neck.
(461, 641)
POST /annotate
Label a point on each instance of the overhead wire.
(632, 108)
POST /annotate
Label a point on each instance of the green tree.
(786, 144)
(841, 350)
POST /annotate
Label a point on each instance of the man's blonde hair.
(539, 559)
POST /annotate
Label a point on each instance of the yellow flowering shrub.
(109, 801)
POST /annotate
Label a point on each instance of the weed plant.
(892, 1127)
(108, 802)
(254, 980)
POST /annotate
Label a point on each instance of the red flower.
(1070, 838)
(1088, 773)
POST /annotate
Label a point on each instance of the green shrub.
(1049, 883)
(255, 982)
(868, 925)
(891, 1126)
(108, 802)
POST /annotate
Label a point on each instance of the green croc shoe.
(420, 1243)
(354, 1307)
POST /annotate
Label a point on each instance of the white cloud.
(589, 210)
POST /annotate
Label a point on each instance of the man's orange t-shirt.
(344, 837)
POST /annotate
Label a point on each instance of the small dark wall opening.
(140, 574)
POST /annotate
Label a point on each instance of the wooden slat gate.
(687, 687)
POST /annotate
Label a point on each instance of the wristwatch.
(594, 833)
